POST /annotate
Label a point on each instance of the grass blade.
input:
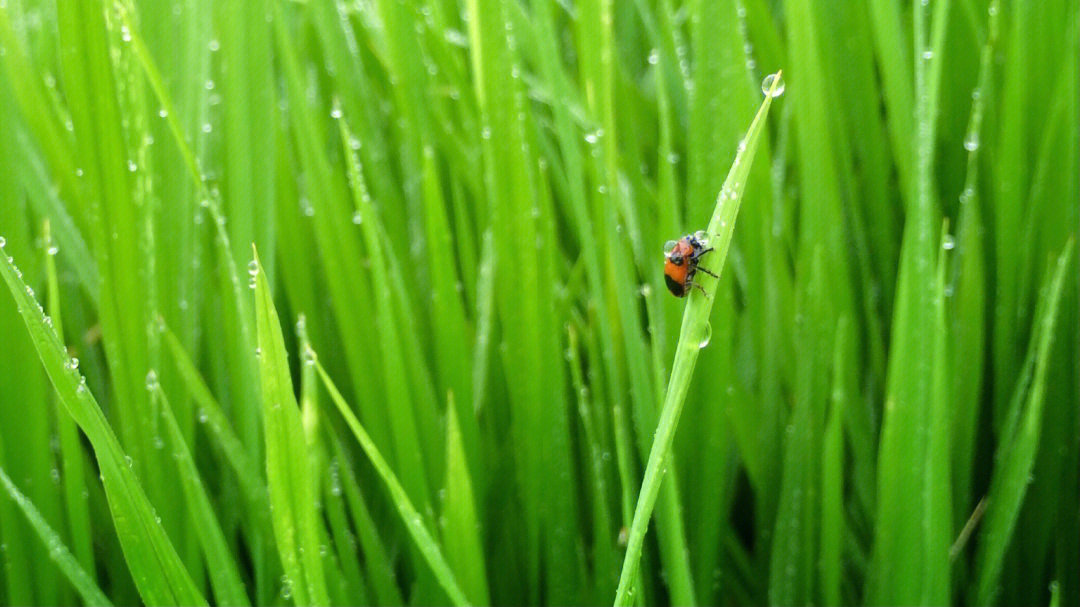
(288, 471)
(462, 532)
(414, 523)
(58, 552)
(221, 565)
(695, 331)
(157, 570)
(71, 452)
(1016, 455)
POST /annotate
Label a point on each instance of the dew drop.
(52, 250)
(971, 142)
(705, 336)
(928, 54)
(151, 380)
(214, 45)
(72, 364)
(948, 242)
(335, 113)
(767, 85)
(162, 113)
(357, 218)
(3, 242)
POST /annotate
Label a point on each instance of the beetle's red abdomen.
(677, 267)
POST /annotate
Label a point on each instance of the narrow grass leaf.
(58, 552)
(423, 539)
(288, 470)
(462, 531)
(71, 451)
(694, 333)
(221, 565)
(158, 573)
(1016, 455)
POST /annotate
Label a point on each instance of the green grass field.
(363, 302)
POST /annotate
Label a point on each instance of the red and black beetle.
(681, 262)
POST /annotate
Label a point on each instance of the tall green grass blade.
(796, 545)
(158, 573)
(832, 476)
(71, 452)
(221, 565)
(23, 430)
(403, 424)
(1016, 455)
(967, 308)
(379, 567)
(910, 561)
(211, 414)
(462, 531)
(530, 352)
(58, 552)
(695, 331)
(422, 538)
(288, 470)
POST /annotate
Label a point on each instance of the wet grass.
(458, 377)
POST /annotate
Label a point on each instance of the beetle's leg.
(701, 269)
(702, 252)
(694, 284)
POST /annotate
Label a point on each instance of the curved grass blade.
(221, 565)
(695, 328)
(213, 416)
(288, 470)
(59, 553)
(414, 523)
(158, 573)
(1016, 455)
(71, 455)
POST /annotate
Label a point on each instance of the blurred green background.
(459, 207)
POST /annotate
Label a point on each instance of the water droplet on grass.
(151, 380)
(767, 85)
(705, 336)
(971, 142)
(948, 242)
